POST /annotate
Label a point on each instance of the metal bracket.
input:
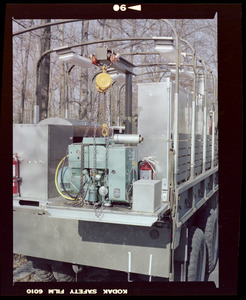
(120, 64)
(129, 267)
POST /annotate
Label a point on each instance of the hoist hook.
(104, 130)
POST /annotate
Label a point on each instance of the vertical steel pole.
(37, 95)
(128, 107)
(176, 111)
(193, 110)
(213, 138)
(193, 122)
(205, 120)
(213, 122)
(67, 84)
(175, 139)
(119, 103)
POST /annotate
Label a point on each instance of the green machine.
(109, 170)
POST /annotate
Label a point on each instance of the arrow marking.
(135, 7)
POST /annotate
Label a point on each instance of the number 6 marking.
(123, 7)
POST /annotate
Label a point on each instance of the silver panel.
(199, 114)
(40, 148)
(185, 111)
(154, 124)
(93, 244)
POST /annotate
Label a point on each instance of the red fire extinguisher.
(145, 171)
(16, 178)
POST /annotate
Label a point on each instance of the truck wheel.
(211, 238)
(196, 255)
(43, 271)
(63, 272)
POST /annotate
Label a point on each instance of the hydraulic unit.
(100, 182)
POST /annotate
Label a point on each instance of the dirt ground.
(24, 272)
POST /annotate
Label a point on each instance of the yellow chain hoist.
(103, 81)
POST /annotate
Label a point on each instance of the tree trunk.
(44, 73)
(24, 78)
(62, 75)
(84, 93)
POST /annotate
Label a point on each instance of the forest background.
(68, 92)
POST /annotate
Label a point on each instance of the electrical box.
(40, 148)
(122, 171)
(147, 195)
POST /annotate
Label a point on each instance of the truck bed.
(58, 207)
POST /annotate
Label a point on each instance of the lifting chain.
(95, 158)
(106, 124)
(102, 86)
(94, 116)
(107, 120)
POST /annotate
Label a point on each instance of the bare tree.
(24, 76)
(62, 75)
(84, 95)
(44, 73)
(202, 34)
(21, 65)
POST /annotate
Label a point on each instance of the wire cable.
(56, 184)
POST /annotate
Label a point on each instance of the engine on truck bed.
(108, 172)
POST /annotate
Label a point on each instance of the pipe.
(44, 25)
(127, 138)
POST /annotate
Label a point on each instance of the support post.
(213, 138)
(36, 114)
(128, 107)
(205, 123)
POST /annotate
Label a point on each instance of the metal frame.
(123, 67)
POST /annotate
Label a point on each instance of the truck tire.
(211, 238)
(63, 272)
(196, 255)
(44, 272)
(207, 220)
